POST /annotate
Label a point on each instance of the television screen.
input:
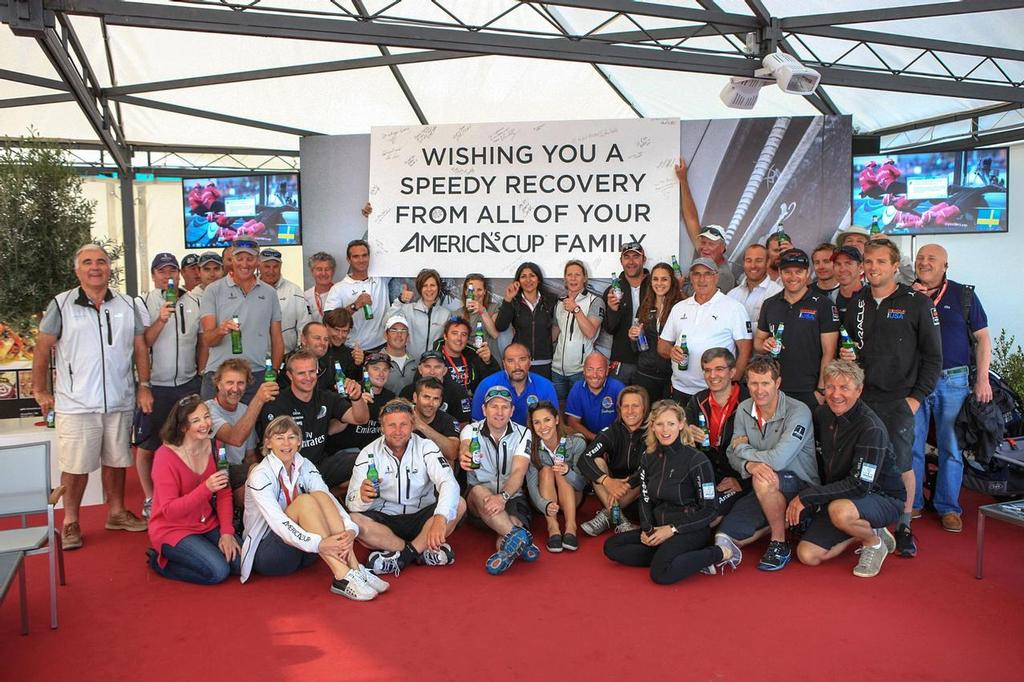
(265, 207)
(932, 192)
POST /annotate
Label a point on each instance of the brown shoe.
(71, 536)
(952, 522)
(125, 520)
(916, 513)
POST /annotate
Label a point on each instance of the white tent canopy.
(608, 59)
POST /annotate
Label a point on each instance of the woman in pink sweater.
(191, 523)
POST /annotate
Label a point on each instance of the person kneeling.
(291, 518)
(494, 453)
(861, 491)
(403, 496)
(677, 503)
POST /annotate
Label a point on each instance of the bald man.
(591, 405)
(965, 342)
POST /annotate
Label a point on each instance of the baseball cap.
(395, 319)
(497, 392)
(432, 355)
(375, 358)
(794, 258)
(851, 252)
(162, 259)
(210, 257)
(189, 260)
(245, 245)
(270, 254)
(853, 229)
(713, 232)
(706, 262)
(632, 246)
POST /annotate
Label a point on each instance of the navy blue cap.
(794, 258)
(162, 259)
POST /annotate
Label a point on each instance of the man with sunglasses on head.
(499, 449)
(407, 514)
(314, 409)
(241, 295)
(295, 311)
(897, 341)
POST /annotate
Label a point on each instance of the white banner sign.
(487, 197)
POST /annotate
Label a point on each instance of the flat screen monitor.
(932, 192)
(265, 207)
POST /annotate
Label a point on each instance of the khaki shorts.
(85, 441)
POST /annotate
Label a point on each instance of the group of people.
(274, 426)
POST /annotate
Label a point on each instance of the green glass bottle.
(236, 338)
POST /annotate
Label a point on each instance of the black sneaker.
(555, 543)
(776, 556)
(906, 545)
(570, 542)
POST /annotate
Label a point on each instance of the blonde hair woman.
(677, 503)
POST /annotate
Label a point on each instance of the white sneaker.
(375, 583)
(355, 587)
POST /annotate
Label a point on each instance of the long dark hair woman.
(530, 311)
(654, 372)
(554, 482)
(190, 526)
(677, 504)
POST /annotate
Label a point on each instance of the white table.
(23, 430)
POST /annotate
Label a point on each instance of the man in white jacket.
(408, 512)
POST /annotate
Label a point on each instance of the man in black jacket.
(467, 365)
(612, 461)
(895, 331)
(860, 491)
(620, 309)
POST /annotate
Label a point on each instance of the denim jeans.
(198, 559)
(563, 383)
(942, 405)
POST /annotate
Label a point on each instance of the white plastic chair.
(25, 489)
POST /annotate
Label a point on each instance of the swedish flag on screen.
(286, 233)
(988, 218)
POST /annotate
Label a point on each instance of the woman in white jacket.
(291, 518)
(426, 316)
(578, 316)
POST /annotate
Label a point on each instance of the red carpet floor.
(565, 617)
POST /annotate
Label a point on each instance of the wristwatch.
(576, 310)
(145, 384)
(505, 496)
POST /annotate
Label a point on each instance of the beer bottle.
(685, 363)
(222, 459)
(373, 477)
(470, 293)
(478, 336)
(703, 422)
(171, 294)
(51, 419)
(474, 449)
(269, 374)
(560, 452)
(236, 338)
(641, 340)
(367, 310)
(339, 380)
(780, 328)
(845, 341)
(675, 267)
(616, 514)
(616, 286)
(367, 384)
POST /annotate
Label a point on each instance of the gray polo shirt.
(256, 310)
(220, 417)
(785, 443)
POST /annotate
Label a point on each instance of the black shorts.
(146, 428)
(404, 526)
(745, 516)
(337, 468)
(878, 510)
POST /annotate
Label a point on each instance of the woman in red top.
(191, 524)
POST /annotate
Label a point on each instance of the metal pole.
(131, 267)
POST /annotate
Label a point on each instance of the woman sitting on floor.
(677, 504)
(555, 485)
(291, 518)
(190, 524)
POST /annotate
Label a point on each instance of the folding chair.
(25, 489)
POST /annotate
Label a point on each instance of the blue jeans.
(942, 405)
(563, 383)
(198, 559)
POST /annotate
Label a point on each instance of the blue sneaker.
(516, 541)
(499, 562)
(776, 556)
(531, 553)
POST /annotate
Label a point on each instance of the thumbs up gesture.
(406, 294)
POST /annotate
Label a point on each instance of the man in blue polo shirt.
(959, 334)
(527, 388)
(592, 399)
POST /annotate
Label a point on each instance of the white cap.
(395, 319)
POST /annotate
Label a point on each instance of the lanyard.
(762, 424)
(942, 292)
(725, 412)
(463, 377)
(288, 496)
(319, 302)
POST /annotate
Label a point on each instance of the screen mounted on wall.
(265, 207)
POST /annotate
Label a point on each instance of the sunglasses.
(189, 398)
(391, 408)
(498, 393)
(245, 244)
